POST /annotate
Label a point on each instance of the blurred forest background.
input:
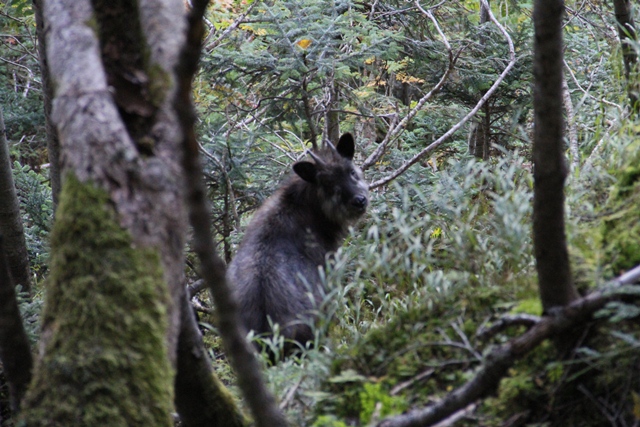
(446, 247)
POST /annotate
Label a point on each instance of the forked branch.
(397, 128)
(431, 147)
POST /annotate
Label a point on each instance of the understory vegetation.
(415, 291)
(445, 251)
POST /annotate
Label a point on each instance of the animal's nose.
(359, 202)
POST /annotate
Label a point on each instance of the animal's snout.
(359, 202)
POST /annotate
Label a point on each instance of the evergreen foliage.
(446, 249)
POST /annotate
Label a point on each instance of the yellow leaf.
(304, 43)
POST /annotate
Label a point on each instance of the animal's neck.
(302, 200)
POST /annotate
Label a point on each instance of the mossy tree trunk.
(112, 321)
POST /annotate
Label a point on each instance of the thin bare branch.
(571, 126)
(457, 126)
(505, 322)
(235, 24)
(396, 129)
(586, 91)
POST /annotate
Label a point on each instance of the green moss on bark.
(621, 229)
(105, 360)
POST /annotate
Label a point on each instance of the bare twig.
(291, 393)
(571, 125)
(406, 384)
(465, 341)
(242, 358)
(586, 91)
(457, 126)
(457, 416)
(397, 128)
(212, 45)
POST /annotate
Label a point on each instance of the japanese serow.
(276, 268)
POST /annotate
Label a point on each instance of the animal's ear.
(306, 171)
(346, 146)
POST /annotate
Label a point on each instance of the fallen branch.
(431, 147)
(505, 322)
(497, 363)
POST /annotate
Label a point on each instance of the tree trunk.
(482, 135)
(259, 398)
(200, 399)
(628, 37)
(112, 313)
(550, 169)
(10, 219)
(53, 143)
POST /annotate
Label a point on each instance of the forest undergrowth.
(413, 293)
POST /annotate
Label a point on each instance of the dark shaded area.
(15, 352)
(628, 37)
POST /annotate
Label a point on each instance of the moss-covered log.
(104, 358)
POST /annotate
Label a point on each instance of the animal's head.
(342, 191)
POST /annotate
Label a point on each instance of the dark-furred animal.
(276, 268)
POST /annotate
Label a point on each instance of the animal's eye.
(354, 173)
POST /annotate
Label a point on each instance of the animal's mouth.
(359, 204)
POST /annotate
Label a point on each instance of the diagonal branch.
(242, 358)
(431, 147)
(498, 362)
(235, 24)
(398, 128)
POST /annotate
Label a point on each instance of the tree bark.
(142, 176)
(550, 169)
(201, 400)
(15, 351)
(10, 219)
(112, 311)
(332, 119)
(53, 143)
(628, 37)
